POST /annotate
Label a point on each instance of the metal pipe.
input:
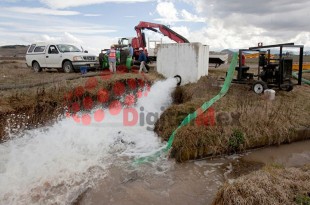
(301, 58)
(240, 58)
(179, 79)
(271, 46)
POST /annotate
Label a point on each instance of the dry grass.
(16, 72)
(271, 185)
(26, 110)
(30, 107)
(261, 122)
(191, 143)
(306, 76)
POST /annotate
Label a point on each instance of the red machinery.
(140, 41)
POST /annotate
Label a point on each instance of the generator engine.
(279, 73)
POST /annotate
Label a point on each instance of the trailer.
(273, 72)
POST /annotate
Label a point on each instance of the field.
(271, 185)
(240, 121)
(29, 99)
(24, 92)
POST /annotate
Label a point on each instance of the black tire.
(147, 67)
(67, 67)
(101, 58)
(287, 86)
(123, 56)
(259, 87)
(36, 67)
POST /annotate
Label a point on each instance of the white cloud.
(93, 45)
(24, 29)
(61, 4)
(191, 17)
(96, 43)
(41, 11)
(64, 38)
(242, 24)
(302, 38)
(34, 23)
(245, 23)
(222, 24)
(55, 28)
(200, 5)
(219, 36)
(169, 14)
(61, 38)
(92, 15)
(182, 30)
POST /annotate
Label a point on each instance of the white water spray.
(53, 165)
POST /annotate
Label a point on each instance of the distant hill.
(227, 51)
(15, 51)
(14, 46)
(272, 51)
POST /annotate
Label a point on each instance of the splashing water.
(55, 164)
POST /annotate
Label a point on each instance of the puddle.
(192, 183)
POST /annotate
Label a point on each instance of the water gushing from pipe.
(55, 164)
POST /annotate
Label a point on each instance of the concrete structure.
(189, 60)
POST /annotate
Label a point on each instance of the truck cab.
(63, 57)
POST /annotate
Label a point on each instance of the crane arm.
(166, 31)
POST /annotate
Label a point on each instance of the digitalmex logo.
(102, 94)
(91, 103)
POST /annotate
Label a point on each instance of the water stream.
(55, 164)
(196, 182)
(70, 163)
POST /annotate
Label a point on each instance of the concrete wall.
(189, 60)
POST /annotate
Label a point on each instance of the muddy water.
(167, 183)
(189, 183)
(71, 163)
(288, 155)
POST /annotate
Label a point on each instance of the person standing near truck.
(129, 58)
(112, 59)
(130, 50)
(142, 59)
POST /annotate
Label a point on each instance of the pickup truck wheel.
(67, 67)
(36, 67)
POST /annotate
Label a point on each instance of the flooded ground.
(288, 155)
(164, 183)
(189, 183)
(71, 163)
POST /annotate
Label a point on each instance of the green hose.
(195, 114)
(295, 75)
(129, 62)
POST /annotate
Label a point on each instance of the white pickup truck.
(64, 57)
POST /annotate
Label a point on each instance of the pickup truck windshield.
(64, 48)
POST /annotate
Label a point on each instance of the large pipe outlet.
(179, 79)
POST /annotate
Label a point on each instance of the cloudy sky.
(96, 24)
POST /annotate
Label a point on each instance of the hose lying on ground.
(195, 114)
(295, 75)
